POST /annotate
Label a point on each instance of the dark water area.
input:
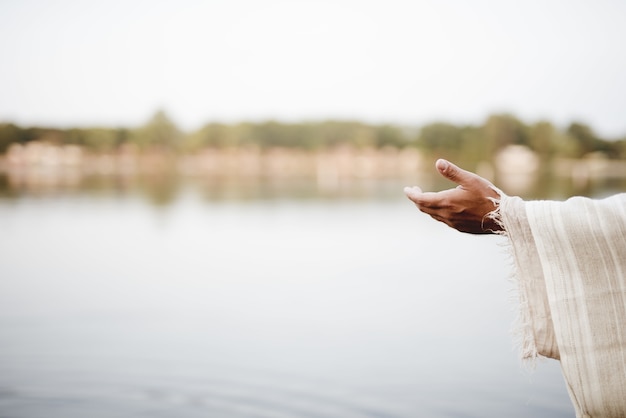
(254, 299)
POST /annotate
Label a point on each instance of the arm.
(465, 208)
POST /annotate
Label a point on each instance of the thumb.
(454, 173)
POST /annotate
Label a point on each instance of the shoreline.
(40, 165)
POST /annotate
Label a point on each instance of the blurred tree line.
(464, 143)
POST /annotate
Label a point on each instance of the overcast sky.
(114, 62)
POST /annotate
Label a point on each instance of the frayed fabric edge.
(521, 330)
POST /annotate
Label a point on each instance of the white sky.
(114, 62)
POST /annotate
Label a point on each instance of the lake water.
(111, 306)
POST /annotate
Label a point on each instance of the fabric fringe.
(521, 329)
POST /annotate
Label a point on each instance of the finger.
(437, 200)
(427, 199)
(434, 213)
(413, 193)
(454, 173)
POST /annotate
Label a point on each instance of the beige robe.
(570, 260)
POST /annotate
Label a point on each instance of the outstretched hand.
(464, 208)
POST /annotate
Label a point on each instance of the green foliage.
(9, 134)
(310, 136)
(159, 132)
(469, 143)
(214, 135)
(586, 141)
(503, 130)
(620, 148)
(390, 136)
(465, 144)
(439, 137)
(542, 139)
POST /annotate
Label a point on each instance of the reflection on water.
(40, 168)
(241, 301)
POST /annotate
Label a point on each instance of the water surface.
(111, 306)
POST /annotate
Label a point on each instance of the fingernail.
(442, 165)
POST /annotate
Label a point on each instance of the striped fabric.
(570, 260)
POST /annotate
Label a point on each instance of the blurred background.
(201, 207)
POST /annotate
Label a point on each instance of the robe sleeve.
(570, 262)
(534, 329)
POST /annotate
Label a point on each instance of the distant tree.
(76, 136)
(502, 130)
(334, 133)
(585, 139)
(159, 132)
(9, 134)
(440, 137)
(101, 139)
(214, 135)
(273, 134)
(542, 138)
(96, 139)
(474, 148)
(620, 146)
(468, 144)
(390, 136)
